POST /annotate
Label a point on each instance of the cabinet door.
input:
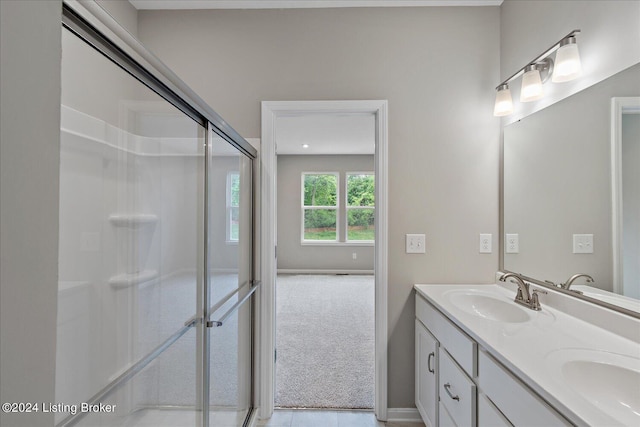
(426, 375)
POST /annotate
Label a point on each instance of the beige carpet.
(325, 341)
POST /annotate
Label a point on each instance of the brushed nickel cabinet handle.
(447, 386)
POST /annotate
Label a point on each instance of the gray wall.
(437, 67)
(29, 165)
(292, 254)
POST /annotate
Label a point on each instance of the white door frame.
(271, 110)
(619, 106)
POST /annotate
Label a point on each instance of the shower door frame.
(92, 24)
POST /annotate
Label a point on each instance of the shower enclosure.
(156, 249)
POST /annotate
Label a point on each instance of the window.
(233, 206)
(320, 206)
(360, 206)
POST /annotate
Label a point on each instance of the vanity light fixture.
(568, 66)
(504, 102)
(565, 68)
(531, 84)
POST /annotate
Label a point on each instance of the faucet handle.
(535, 301)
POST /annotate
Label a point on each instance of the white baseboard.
(403, 415)
(327, 271)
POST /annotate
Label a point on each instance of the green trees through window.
(321, 204)
(233, 206)
(320, 192)
(360, 207)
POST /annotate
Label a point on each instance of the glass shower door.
(229, 257)
(131, 250)
(155, 259)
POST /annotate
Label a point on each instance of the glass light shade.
(531, 85)
(504, 102)
(567, 65)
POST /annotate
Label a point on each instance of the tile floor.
(280, 418)
(316, 418)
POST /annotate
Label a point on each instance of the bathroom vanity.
(483, 360)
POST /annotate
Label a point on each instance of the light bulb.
(567, 65)
(504, 102)
(531, 84)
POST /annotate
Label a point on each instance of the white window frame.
(229, 207)
(347, 208)
(305, 208)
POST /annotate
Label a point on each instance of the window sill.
(331, 243)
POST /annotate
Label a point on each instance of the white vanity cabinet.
(458, 383)
(519, 404)
(446, 396)
(426, 376)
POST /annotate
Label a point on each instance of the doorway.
(273, 114)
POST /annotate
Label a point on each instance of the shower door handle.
(217, 323)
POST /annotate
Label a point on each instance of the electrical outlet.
(415, 243)
(583, 243)
(485, 243)
(512, 244)
(354, 256)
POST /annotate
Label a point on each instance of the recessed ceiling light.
(305, 145)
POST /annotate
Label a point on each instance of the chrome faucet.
(569, 282)
(523, 296)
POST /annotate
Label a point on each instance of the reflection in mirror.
(625, 149)
(558, 193)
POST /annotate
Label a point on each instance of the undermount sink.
(487, 306)
(609, 381)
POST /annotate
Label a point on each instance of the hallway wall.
(30, 54)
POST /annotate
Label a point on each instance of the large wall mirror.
(571, 192)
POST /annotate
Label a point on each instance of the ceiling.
(300, 4)
(326, 134)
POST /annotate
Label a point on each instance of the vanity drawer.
(457, 392)
(515, 400)
(457, 343)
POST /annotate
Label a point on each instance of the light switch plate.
(583, 243)
(485, 243)
(512, 244)
(415, 244)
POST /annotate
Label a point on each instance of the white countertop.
(535, 350)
